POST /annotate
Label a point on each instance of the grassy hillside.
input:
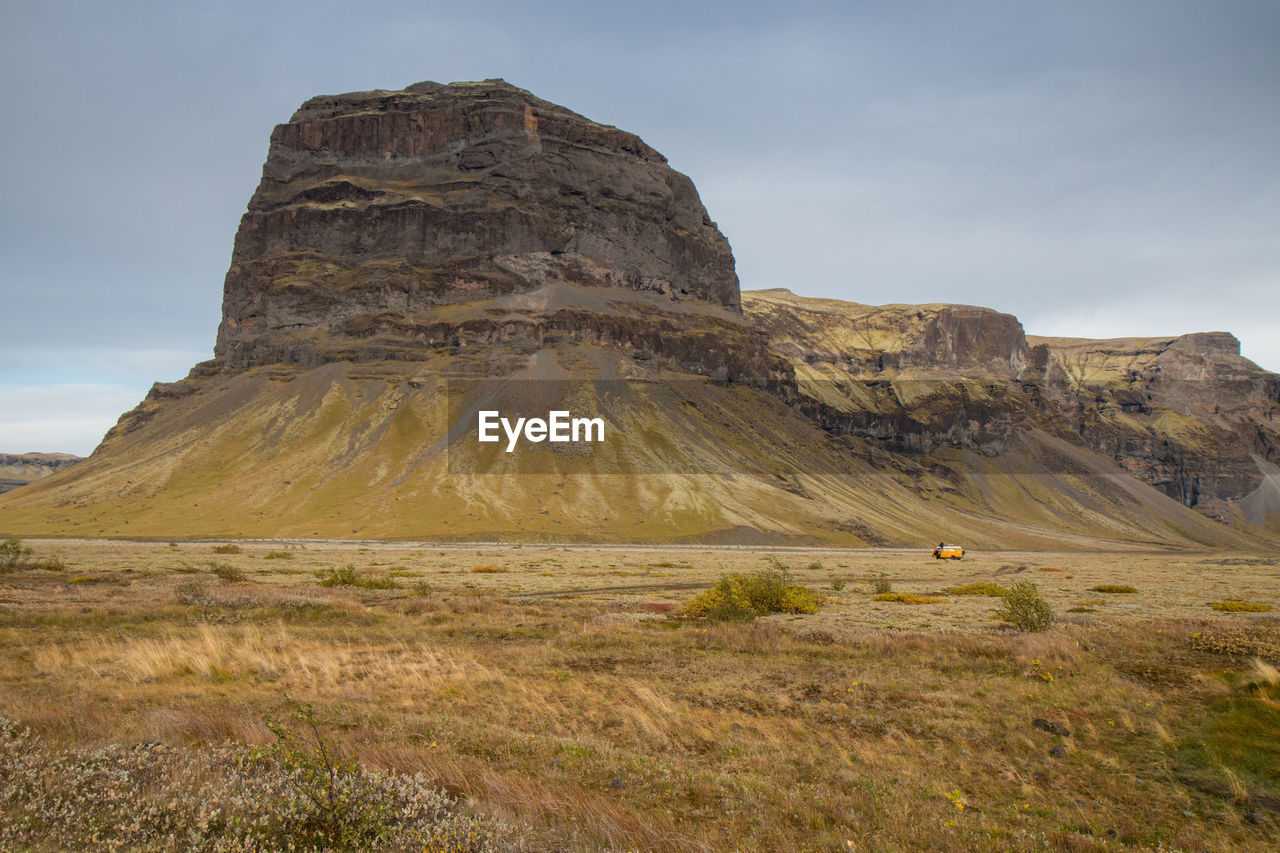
(379, 450)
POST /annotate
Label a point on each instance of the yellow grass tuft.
(908, 598)
(992, 589)
(1235, 606)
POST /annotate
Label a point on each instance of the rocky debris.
(18, 469)
(1051, 727)
(1058, 751)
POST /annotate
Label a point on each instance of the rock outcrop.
(1188, 415)
(387, 221)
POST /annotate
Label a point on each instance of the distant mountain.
(414, 258)
(18, 469)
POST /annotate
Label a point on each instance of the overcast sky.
(1098, 169)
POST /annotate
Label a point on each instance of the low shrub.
(278, 555)
(1050, 569)
(487, 570)
(741, 597)
(13, 555)
(1236, 606)
(226, 549)
(225, 798)
(992, 589)
(348, 576)
(1237, 639)
(882, 586)
(1121, 589)
(229, 574)
(1025, 609)
(193, 593)
(908, 598)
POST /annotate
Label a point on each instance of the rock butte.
(401, 239)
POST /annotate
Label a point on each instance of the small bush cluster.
(192, 592)
(14, 555)
(1237, 639)
(487, 570)
(228, 799)
(882, 586)
(740, 597)
(348, 576)
(226, 549)
(1025, 609)
(1236, 606)
(1117, 588)
(227, 573)
(278, 555)
(992, 589)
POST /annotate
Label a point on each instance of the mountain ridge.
(410, 255)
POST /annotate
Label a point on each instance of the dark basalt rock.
(377, 205)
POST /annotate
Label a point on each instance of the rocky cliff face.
(1187, 415)
(379, 211)
(914, 377)
(18, 469)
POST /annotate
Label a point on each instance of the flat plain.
(558, 690)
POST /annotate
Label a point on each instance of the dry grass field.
(559, 694)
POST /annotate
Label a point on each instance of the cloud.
(60, 418)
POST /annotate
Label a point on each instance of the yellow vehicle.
(948, 552)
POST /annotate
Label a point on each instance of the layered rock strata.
(387, 222)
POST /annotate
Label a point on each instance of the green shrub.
(739, 597)
(230, 574)
(348, 576)
(315, 767)
(1025, 609)
(13, 555)
(51, 564)
(192, 592)
(1122, 589)
(837, 584)
(278, 555)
